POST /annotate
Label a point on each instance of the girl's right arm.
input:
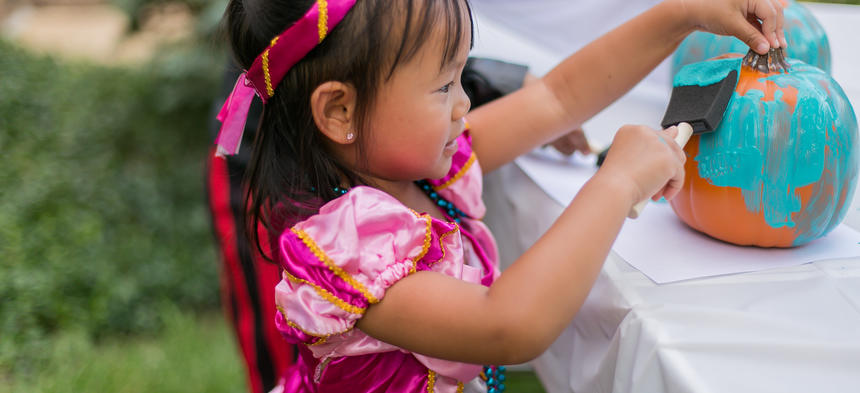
(592, 78)
(536, 297)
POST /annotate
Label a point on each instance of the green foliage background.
(103, 218)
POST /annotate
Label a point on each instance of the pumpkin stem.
(773, 61)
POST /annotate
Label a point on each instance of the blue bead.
(501, 377)
(491, 381)
(502, 368)
(434, 195)
(441, 203)
(493, 390)
(501, 387)
(457, 220)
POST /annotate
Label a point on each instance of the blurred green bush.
(103, 218)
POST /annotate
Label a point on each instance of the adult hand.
(572, 142)
(568, 143)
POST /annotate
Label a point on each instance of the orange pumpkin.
(781, 168)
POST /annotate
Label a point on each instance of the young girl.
(368, 178)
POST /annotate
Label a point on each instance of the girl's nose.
(462, 104)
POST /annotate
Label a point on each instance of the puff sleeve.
(340, 261)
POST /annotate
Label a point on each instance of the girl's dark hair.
(291, 171)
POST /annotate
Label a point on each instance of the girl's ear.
(333, 108)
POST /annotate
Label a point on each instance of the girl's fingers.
(748, 32)
(673, 186)
(669, 135)
(780, 23)
(780, 27)
(783, 42)
(765, 11)
(672, 132)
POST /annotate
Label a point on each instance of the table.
(782, 330)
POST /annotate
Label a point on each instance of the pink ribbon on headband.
(233, 116)
(283, 52)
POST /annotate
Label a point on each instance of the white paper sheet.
(663, 248)
(659, 245)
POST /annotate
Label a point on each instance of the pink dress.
(340, 261)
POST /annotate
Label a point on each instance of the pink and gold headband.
(269, 68)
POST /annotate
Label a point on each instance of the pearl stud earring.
(350, 136)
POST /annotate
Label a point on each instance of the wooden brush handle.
(684, 133)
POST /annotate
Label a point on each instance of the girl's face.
(418, 115)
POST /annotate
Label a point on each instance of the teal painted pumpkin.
(781, 168)
(806, 38)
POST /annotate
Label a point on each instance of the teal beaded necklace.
(494, 376)
(447, 207)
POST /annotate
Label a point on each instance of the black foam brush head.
(700, 106)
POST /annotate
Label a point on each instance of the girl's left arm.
(601, 72)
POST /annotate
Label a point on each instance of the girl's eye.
(447, 87)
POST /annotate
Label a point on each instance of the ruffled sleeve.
(340, 261)
(463, 183)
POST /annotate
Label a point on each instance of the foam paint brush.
(696, 106)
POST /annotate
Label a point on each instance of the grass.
(193, 354)
(523, 382)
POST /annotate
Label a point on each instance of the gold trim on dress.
(431, 381)
(441, 245)
(321, 337)
(311, 245)
(428, 236)
(459, 174)
(330, 297)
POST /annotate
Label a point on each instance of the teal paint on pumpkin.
(707, 73)
(769, 150)
(701, 46)
(742, 153)
(826, 109)
(807, 41)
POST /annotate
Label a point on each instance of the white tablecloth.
(783, 330)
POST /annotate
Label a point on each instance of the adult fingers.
(572, 142)
(563, 145)
(580, 142)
